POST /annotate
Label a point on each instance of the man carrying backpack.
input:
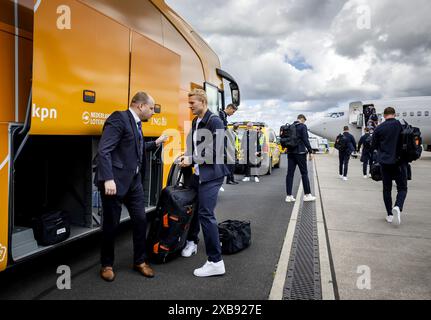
(386, 140)
(346, 145)
(298, 147)
(367, 156)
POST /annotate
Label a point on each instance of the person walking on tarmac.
(386, 140)
(207, 179)
(346, 145)
(367, 153)
(297, 156)
(252, 151)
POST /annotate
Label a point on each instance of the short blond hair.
(200, 94)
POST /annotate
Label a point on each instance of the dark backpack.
(368, 141)
(288, 136)
(410, 143)
(341, 143)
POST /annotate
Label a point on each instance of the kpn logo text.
(44, 113)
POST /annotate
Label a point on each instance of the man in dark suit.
(205, 151)
(367, 152)
(297, 156)
(251, 149)
(348, 146)
(386, 140)
(224, 114)
(120, 169)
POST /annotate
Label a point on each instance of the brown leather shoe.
(145, 270)
(107, 274)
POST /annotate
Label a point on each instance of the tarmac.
(351, 252)
(371, 258)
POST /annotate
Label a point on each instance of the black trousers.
(205, 217)
(367, 158)
(112, 207)
(398, 173)
(248, 168)
(299, 160)
(231, 176)
(344, 158)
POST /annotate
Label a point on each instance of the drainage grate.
(303, 276)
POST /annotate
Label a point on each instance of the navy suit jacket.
(119, 153)
(351, 142)
(303, 139)
(386, 140)
(209, 171)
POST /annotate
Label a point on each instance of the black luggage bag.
(235, 236)
(51, 228)
(169, 230)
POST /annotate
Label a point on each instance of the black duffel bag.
(235, 236)
(51, 228)
(376, 171)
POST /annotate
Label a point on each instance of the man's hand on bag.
(110, 188)
(161, 139)
(185, 162)
(310, 157)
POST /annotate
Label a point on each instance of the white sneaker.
(389, 219)
(290, 199)
(210, 269)
(365, 177)
(221, 189)
(345, 179)
(256, 179)
(246, 179)
(341, 177)
(369, 175)
(397, 215)
(190, 249)
(309, 198)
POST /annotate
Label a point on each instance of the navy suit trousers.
(205, 217)
(299, 160)
(112, 206)
(344, 158)
(398, 173)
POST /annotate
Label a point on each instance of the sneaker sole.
(209, 276)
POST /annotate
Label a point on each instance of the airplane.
(416, 111)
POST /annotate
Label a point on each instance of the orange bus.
(66, 66)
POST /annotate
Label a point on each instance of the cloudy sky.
(309, 56)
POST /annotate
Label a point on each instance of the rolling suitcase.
(169, 230)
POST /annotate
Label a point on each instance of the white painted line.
(3, 164)
(277, 289)
(325, 267)
(36, 6)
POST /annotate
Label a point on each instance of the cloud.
(307, 56)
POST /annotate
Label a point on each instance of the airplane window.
(427, 113)
(419, 113)
(412, 114)
(397, 115)
(404, 114)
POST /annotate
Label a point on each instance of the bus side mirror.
(236, 97)
(157, 108)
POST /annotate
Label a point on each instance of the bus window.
(213, 97)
